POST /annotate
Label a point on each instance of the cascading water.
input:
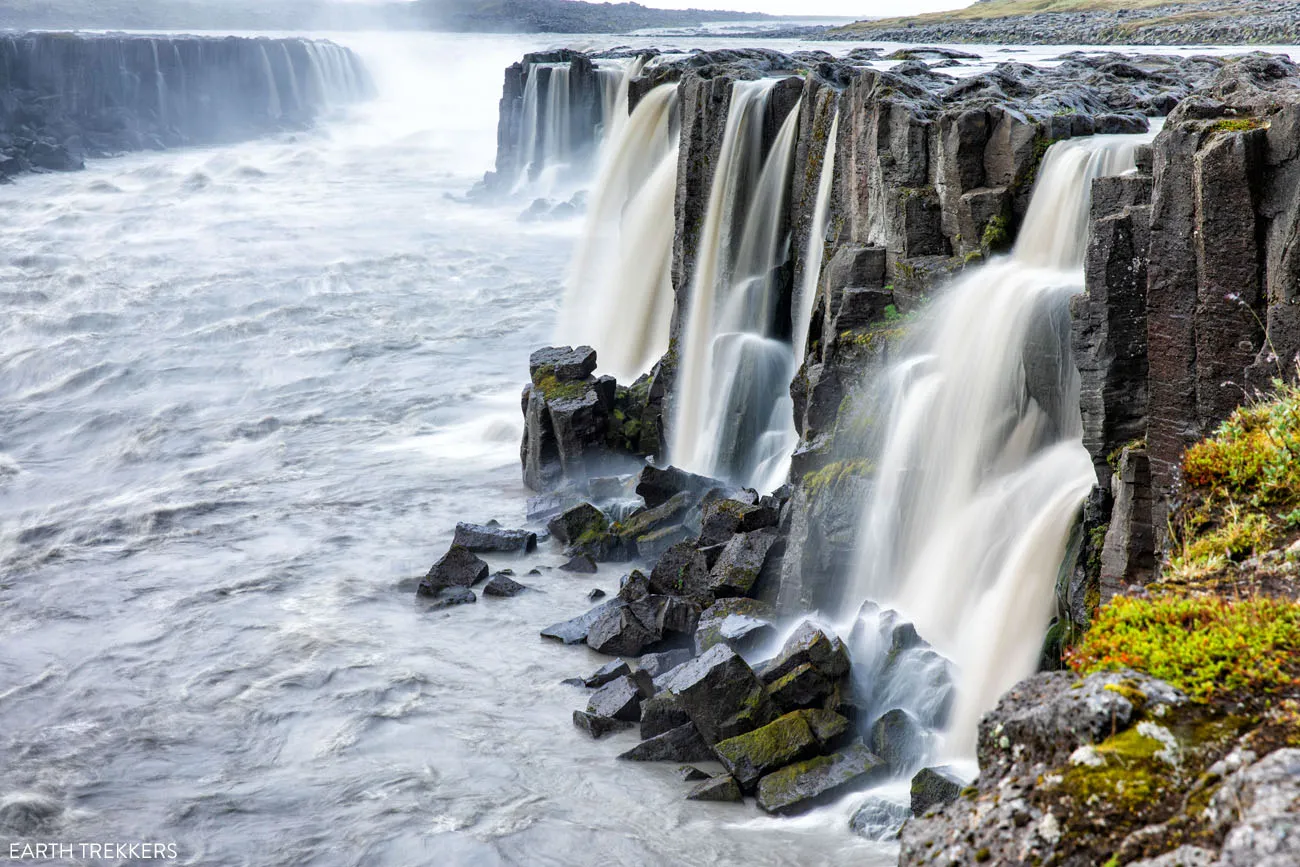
(806, 293)
(735, 372)
(620, 296)
(560, 124)
(981, 470)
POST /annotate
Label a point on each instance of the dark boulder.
(575, 631)
(682, 571)
(490, 537)
(662, 713)
(621, 698)
(595, 594)
(580, 563)
(448, 597)
(564, 363)
(580, 528)
(750, 756)
(691, 774)
(457, 568)
(619, 632)
(607, 672)
(742, 624)
(900, 740)
(721, 694)
(656, 664)
(827, 726)
(934, 787)
(668, 615)
(598, 726)
(806, 784)
(740, 563)
(802, 687)
(657, 486)
(682, 744)
(502, 585)
(720, 788)
(809, 644)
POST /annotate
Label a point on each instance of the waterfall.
(735, 369)
(981, 471)
(557, 146)
(619, 296)
(807, 291)
(272, 90)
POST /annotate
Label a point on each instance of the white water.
(981, 472)
(619, 294)
(735, 373)
(806, 295)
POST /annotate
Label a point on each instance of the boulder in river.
(574, 631)
(656, 664)
(720, 788)
(720, 693)
(900, 740)
(607, 672)
(657, 486)
(740, 563)
(750, 756)
(459, 567)
(448, 597)
(503, 585)
(682, 571)
(933, 787)
(810, 645)
(660, 713)
(742, 624)
(619, 632)
(596, 725)
(493, 537)
(806, 784)
(681, 744)
(580, 563)
(878, 818)
(621, 698)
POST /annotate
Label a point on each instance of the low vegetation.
(1010, 8)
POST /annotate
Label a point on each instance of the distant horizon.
(857, 9)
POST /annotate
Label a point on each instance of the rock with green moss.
(807, 784)
(900, 740)
(810, 645)
(749, 756)
(645, 521)
(721, 694)
(585, 530)
(932, 787)
(682, 570)
(802, 687)
(740, 563)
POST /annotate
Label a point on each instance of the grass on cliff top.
(1208, 647)
(1242, 489)
(1011, 8)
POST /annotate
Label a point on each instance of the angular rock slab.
(598, 726)
(740, 563)
(621, 698)
(682, 744)
(721, 694)
(800, 786)
(934, 787)
(720, 788)
(575, 631)
(448, 597)
(503, 586)
(490, 537)
(809, 645)
(459, 567)
(606, 673)
(750, 756)
(741, 624)
(619, 632)
(662, 713)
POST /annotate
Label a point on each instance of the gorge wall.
(64, 97)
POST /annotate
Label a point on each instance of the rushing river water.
(245, 395)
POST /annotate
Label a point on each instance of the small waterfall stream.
(732, 397)
(981, 470)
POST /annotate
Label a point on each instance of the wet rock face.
(65, 97)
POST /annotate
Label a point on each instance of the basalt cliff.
(1162, 726)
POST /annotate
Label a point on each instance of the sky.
(842, 8)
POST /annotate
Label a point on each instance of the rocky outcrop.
(1116, 766)
(1192, 270)
(65, 97)
(1208, 22)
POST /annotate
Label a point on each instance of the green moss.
(777, 743)
(834, 474)
(552, 389)
(1041, 145)
(1208, 647)
(997, 234)
(983, 855)
(1243, 486)
(1238, 124)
